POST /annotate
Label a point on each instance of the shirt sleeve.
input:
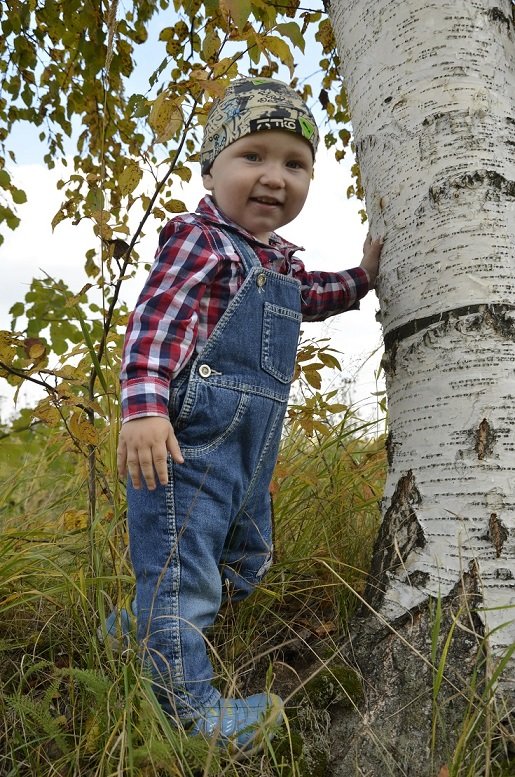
(325, 294)
(162, 330)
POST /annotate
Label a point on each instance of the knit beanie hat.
(252, 105)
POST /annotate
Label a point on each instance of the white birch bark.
(431, 88)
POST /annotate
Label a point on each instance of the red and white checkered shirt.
(195, 275)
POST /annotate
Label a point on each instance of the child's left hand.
(371, 256)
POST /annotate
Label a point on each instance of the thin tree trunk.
(431, 88)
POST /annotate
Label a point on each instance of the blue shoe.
(119, 625)
(241, 725)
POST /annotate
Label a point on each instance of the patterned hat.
(252, 105)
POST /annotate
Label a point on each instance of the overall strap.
(243, 249)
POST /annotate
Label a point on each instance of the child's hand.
(371, 255)
(143, 447)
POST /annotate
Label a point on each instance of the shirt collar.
(209, 211)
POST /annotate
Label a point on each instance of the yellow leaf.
(74, 520)
(325, 36)
(36, 351)
(268, 11)
(238, 10)
(82, 430)
(59, 216)
(165, 118)
(93, 734)
(184, 173)
(47, 413)
(102, 228)
(337, 408)
(256, 45)
(211, 45)
(225, 67)
(214, 88)
(129, 178)
(312, 376)
(67, 372)
(175, 206)
(7, 348)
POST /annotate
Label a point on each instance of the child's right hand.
(371, 257)
(143, 449)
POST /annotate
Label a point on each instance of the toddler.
(208, 361)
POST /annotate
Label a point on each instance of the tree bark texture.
(431, 90)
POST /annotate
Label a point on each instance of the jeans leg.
(175, 545)
(247, 555)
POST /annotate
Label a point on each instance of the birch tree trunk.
(431, 89)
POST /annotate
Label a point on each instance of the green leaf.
(281, 50)
(17, 310)
(19, 196)
(59, 216)
(292, 31)
(238, 10)
(91, 348)
(95, 199)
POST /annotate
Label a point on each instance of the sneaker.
(241, 726)
(119, 625)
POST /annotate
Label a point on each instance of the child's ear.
(207, 180)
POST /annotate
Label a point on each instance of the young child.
(208, 362)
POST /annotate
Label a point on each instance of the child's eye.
(295, 164)
(251, 156)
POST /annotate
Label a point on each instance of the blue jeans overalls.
(209, 531)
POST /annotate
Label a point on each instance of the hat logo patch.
(273, 122)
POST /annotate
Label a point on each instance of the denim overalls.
(209, 531)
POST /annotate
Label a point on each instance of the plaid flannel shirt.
(195, 275)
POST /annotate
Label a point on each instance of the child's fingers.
(121, 458)
(160, 465)
(174, 448)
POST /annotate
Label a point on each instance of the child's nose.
(272, 176)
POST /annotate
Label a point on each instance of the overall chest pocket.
(281, 327)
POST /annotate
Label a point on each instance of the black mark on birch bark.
(497, 533)
(496, 316)
(490, 179)
(390, 449)
(498, 15)
(399, 534)
(418, 578)
(388, 359)
(485, 440)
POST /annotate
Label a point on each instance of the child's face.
(261, 181)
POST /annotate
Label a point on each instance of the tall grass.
(71, 706)
(68, 704)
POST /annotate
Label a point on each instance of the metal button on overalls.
(204, 370)
(261, 280)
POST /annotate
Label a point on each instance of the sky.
(329, 228)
